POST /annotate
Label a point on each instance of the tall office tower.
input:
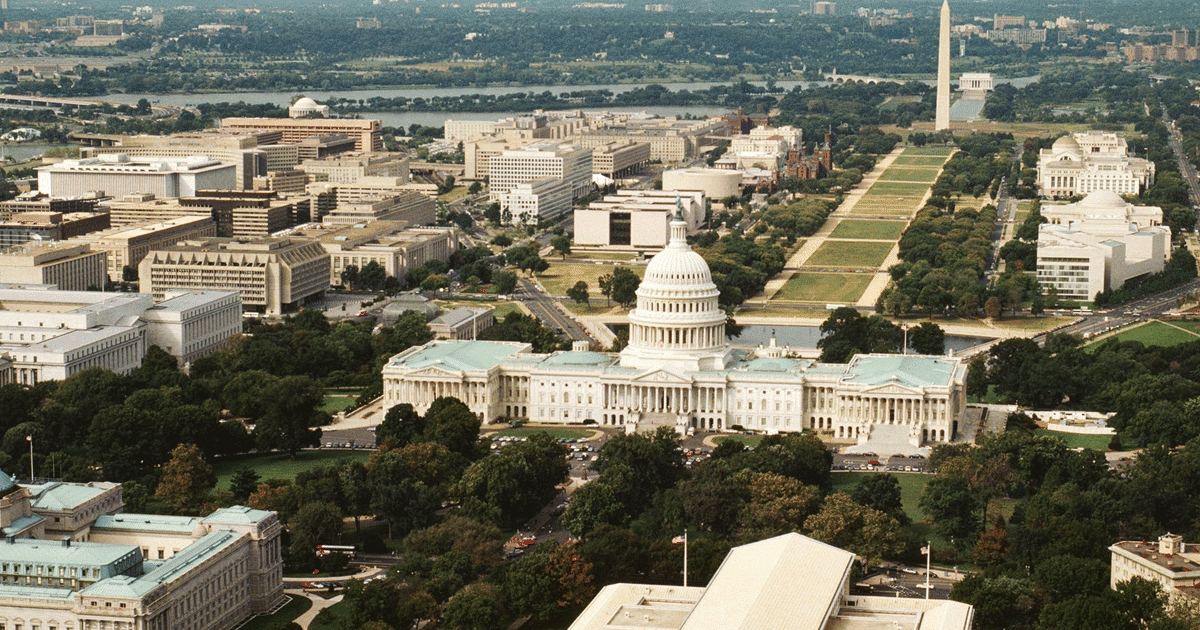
(942, 119)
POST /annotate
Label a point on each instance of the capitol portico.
(678, 371)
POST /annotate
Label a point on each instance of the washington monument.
(942, 118)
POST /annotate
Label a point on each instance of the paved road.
(550, 312)
(1185, 167)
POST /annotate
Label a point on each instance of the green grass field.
(749, 314)
(294, 608)
(1023, 208)
(624, 256)
(1152, 334)
(882, 230)
(1075, 440)
(1193, 326)
(554, 432)
(337, 402)
(563, 275)
(278, 466)
(750, 441)
(894, 174)
(897, 189)
(824, 287)
(938, 151)
(499, 309)
(911, 485)
(861, 254)
(919, 160)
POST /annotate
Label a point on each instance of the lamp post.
(29, 438)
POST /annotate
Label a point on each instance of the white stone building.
(117, 175)
(678, 371)
(567, 162)
(104, 570)
(1171, 563)
(1086, 162)
(50, 335)
(637, 219)
(542, 200)
(715, 184)
(1098, 244)
(789, 581)
(305, 107)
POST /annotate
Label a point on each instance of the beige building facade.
(68, 266)
(127, 246)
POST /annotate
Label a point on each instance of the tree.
(401, 426)
(372, 276)
(492, 214)
(605, 282)
(952, 504)
(504, 282)
(624, 285)
(881, 492)
(843, 523)
(928, 338)
(553, 577)
(186, 480)
(385, 601)
(476, 608)
(475, 188)
(291, 413)
(579, 293)
(502, 240)
(511, 487)
(244, 483)
(350, 276)
(562, 245)
(992, 307)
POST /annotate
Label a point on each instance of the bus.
(325, 550)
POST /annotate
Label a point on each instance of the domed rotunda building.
(306, 107)
(677, 370)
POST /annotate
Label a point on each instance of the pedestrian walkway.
(318, 604)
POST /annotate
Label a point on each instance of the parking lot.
(873, 462)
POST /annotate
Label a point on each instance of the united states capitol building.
(678, 371)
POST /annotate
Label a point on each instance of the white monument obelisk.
(942, 117)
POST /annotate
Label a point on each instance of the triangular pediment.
(661, 376)
(894, 388)
(440, 372)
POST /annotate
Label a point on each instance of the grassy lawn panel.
(554, 432)
(898, 189)
(563, 275)
(824, 287)
(1076, 440)
(337, 402)
(882, 230)
(623, 256)
(1152, 334)
(750, 441)
(331, 618)
(1193, 326)
(919, 160)
(909, 175)
(911, 485)
(849, 254)
(278, 466)
(938, 151)
(294, 608)
(781, 313)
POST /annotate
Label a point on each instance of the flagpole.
(928, 555)
(685, 554)
(29, 438)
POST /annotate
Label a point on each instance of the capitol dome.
(678, 322)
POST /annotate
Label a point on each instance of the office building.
(619, 159)
(671, 141)
(126, 246)
(537, 202)
(118, 175)
(367, 134)
(677, 371)
(393, 245)
(38, 201)
(789, 581)
(463, 323)
(637, 219)
(289, 182)
(347, 169)
(68, 266)
(51, 334)
(1007, 21)
(127, 571)
(49, 226)
(410, 207)
(567, 162)
(1169, 562)
(272, 275)
(141, 208)
(1085, 162)
(824, 8)
(242, 149)
(1099, 244)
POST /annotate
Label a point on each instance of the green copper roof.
(108, 559)
(148, 523)
(911, 371)
(459, 355)
(573, 358)
(60, 497)
(774, 365)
